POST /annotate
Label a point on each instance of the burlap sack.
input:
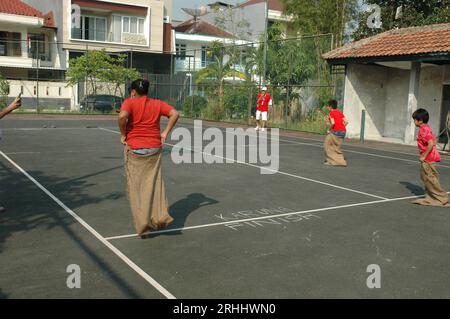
(146, 191)
(434, 194)
(332, 150)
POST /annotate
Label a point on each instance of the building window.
(91, 28)
(181, 51)
(141, 26)
(206, 56)
(37, 47)
(126, 24)
(133, 25)
(10, 43)
(60, 91)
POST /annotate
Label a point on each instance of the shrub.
(194, 105)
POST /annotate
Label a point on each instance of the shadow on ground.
(181, 209)
(28, 209)
(413, 188)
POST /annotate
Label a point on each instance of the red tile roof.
(275, 5)
(201, 28)
(407, 41)
(17, 7)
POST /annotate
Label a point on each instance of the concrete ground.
(308, 231)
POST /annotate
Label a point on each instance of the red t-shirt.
(263, 103)
(338, 118)
(143, 130)
(425, 135)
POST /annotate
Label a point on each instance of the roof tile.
(407, 41)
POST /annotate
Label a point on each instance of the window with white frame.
(133, 25)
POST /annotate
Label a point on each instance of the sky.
(179, 14)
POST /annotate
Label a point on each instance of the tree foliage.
(414, 13)
(4, 90)
(313, 17)
(98, 66)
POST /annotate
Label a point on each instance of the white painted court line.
(265, 217)
(347, 150)
(116, 251)
(271, 170)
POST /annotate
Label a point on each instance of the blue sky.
(179, 14)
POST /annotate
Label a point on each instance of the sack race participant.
(139, 123)
(335, 137)
(426, 142)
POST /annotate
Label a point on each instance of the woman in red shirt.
(139, 123)
(335, 138)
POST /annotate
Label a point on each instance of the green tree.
(414, 13)
(4, 90)
(118, 74)
(216, 72)
(322, 17)
(91, 67)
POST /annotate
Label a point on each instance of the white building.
(40, 45)
(392, 74)
(28, 50)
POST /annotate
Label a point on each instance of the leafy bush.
(194, 105)
(236, 101)
(4, 90)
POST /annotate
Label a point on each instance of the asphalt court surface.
(309, 231)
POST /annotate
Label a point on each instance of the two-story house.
(28, 51)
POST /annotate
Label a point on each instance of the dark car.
(102, 103)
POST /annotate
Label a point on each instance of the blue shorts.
(146, 151)
(338, 133)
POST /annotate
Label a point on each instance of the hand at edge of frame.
(123, 139)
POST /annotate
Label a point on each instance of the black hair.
(421, 115)
(333, 104)
(140, 86)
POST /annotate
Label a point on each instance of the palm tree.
(216, 72)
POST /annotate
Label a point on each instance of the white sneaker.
(263, 129)
(257, 128)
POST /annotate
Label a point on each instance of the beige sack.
(435, 195)
(146, 191)
(333, 152)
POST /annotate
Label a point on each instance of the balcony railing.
(109, 37)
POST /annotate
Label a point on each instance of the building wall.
(52, 95)
(397, 86)
(154, 20)
(383, 93)
(365, 90)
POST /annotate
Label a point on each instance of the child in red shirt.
(335, 138)
(426, 141)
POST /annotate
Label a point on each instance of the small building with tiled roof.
(389, 75)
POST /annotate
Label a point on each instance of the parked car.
(102, 103)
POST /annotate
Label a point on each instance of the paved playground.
(308, 231)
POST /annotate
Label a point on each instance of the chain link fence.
(216, 81)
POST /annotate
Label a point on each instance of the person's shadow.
(180, 211)
(413, 188)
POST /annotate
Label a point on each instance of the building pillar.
(413, 96)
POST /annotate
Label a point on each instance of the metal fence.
(216, 81)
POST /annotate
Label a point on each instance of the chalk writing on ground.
(261, 218)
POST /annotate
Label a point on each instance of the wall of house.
(52, 95)
(154, 20)
(383, 93)
(56, 6)
(396, 101)
(365, 89)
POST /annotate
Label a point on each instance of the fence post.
(363, 126)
